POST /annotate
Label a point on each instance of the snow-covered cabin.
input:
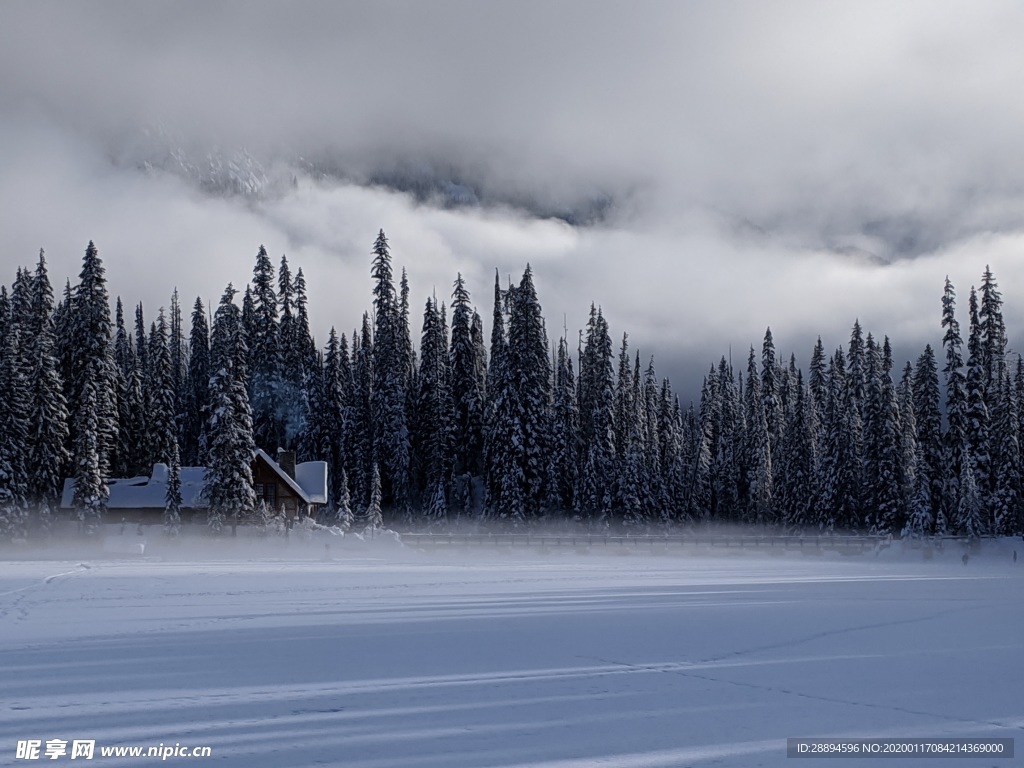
(283, 484)
(296, 488)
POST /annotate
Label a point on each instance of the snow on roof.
(283, 475)
(310, 484)
(147, 492)
(312, 476)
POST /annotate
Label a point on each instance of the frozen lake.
(392, 658)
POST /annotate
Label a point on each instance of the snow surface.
(368, 654)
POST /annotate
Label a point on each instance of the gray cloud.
(756, 150)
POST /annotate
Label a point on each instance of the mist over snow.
(701, 171)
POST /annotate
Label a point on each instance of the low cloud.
(722, 167)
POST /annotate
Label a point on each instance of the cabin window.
(267, 492)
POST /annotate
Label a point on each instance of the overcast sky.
(792, 164)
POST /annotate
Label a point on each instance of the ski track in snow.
(504, 661)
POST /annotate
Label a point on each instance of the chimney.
(286, 460)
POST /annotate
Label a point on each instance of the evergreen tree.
(91, 493)
(932, 460)
(229, 488)
(908, 442)
(563, 473)
(977, 413)
(48, 415)
(197, 395)
(343, 504)
(172, 501)
(771, 386)
(841, 469)
(656, 495)
(161, 438)
(799, 461)
(886, 513)
(390, 377)
(93, 388)
(727, 445)
(993, 335)
(14, 426)
(331, 428)
(1006, 492)
(504, 437)
(760, 483)
(529, 369)
(125, 361)
(467, 389)
(373, 518)
(433, 408)
(818, 381)
(265, 353)
(362, 432)
(595, 495)
(179, 364)
(956, 404)
(970, 508)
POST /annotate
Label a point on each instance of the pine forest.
(446, 425)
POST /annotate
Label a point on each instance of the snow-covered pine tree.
(124, 359)
(330, 423)
(771, 396)
(91, 493)
(760, 477)
(343, 503)
(373, 517)
(1006, 502)
(970, 508)
(977, 413)
(64, 341)
(361, 435)
(265, 354)
(798, 461)
(683, 503)
(503, 437)
(161, 437)
(304, 369)
(390, 378)
(920, 522)
(141, 347)
(48, 414)
(433, 429)
(595, 495)
(855, 371)
(818, 380)
(956, 406)
(530, 370)
(841, 469)
(179, 364)
(172, 500)
(228, 488)
(727, 447)
(94, 415)
(632, 491)
(993, 333)
(563, 473)
(657, 497)
(625, 409)
(933, 455)
(625, 430)
(908, 443)
(887, 513)
(197, 395)
(14, 401)
(467, 386)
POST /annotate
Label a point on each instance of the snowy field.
(388, 658)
